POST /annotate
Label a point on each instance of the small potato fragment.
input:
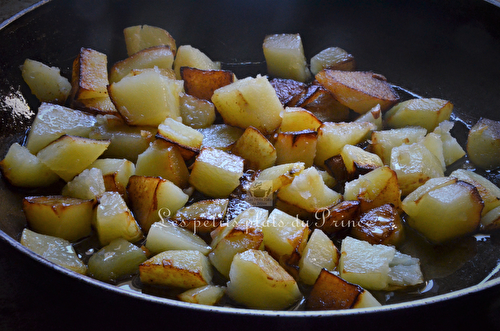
(357, 161)
(205, 295)
(424, 112)
(374, 189)
(483, 144)
(54, 249)
(249, 102)
(153, 198)
(285, 57)
(358, 90)
(69, 155)
(330, 292)
(196, 113)
(161, 57)
(63, 217)
(139, 37)
(186, 138)
(382, 142)
(113, 220)
(255, 148)
(297, 146)
(220, 136)
(295, 119)
(115, 172)
(319, 253)
(23, 169)
(180, 268)
(452, 151)
(45, 82)
(216, 173)
(90, 75)
(373, 116)
(89, 185)
(118, 259)
(334, 58)
(188, 56)
(201, 216)
(279, 175)
(444, 209)
(163, 159)
(256, 280)
(202, 83)
(380, 225)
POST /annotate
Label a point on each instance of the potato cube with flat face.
(373, 116)
(163, 159)
(334, 58)
(423, 112)
(358, 161)
(255, 148)
(139, 37)
(205, 295)
(216, 173)
(146, 99)
(54, 249)
(330, 292)
(45, 82)
(285, 57)
(58, 216)
(188, 56)
(257, 281)
(70, 155)
(374, 189)
(358, 90)
(202, 216)
(382, 142)
(278, 175)
(220, 136)
(180, 268)
(90, 75)
(249, 102)
(452, 151)
(202, 83)
(319, 253)
(333, 136)
(186, 138)
(151, 198)
(23, 169)
(483, 144)
(161, 57)
(118, 259)
(53, 121)
(342, 216)
(115, 172)
(196, 113)
(299, 146)
(89, 184)
(298, 119)
(114, 220)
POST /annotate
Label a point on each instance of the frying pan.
(440, 49)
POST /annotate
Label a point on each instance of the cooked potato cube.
(188, 56)
(333, 136)
(297, 146)
(89, 184)
(357, 161)
(69, 155)
(63, 217)
(443, 209)
(96, 106)
(139, 37)
(434, 144)
(195, 112)
(255, 148)
(45, 82)
(240, 234)
(90, 75)
(167, 236)
(287, 89)
(483, 144)
(285, 57)
(220, 136)
(279, 175)
(330, 292)
(162, 159)
(216, 173)
(146, 99)
(256, 280)
(186, 138)
(116, 173)
(374, 189)
(358, 90)
(161, 57)
(116, 260)
(298, 119)
(491, 220)
(319, 253)
(380, 225)
(424, 112)
(52, 121)
(54, 249)
(202, 216)
(179, 268)
(334, 58)
(23, 169)
(150, 198)
(373, 116)
(202, 83)
(382, 142)
(452, 151)
(341, 216)
(205, 295)
(249, 102)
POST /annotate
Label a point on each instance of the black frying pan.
(441, 49)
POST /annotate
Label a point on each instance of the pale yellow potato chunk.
(196, 113)
(188, 56)
(188, 139)
(296, 147)
(167, 236)
(220, 136)
(452, 151)
(255, 148)
(332, 58)
(319, 253)
(89, 184)
(45, 82)
(278, 175)
(298, 119)
(204, 295)
(115, 172)
(139, 37)
(382, 142)
(483, 144)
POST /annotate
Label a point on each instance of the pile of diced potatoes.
(294, 191)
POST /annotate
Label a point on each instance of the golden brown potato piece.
(334, 58)
(298, 119)
(287, 89)
(139, 37)
(339, 217)
(294, 147)
(255, 148)
(380, 225)
(103, 106)
(202, 83)
(358, 90)
(90, 75)
(202, 216)
(483, 144)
